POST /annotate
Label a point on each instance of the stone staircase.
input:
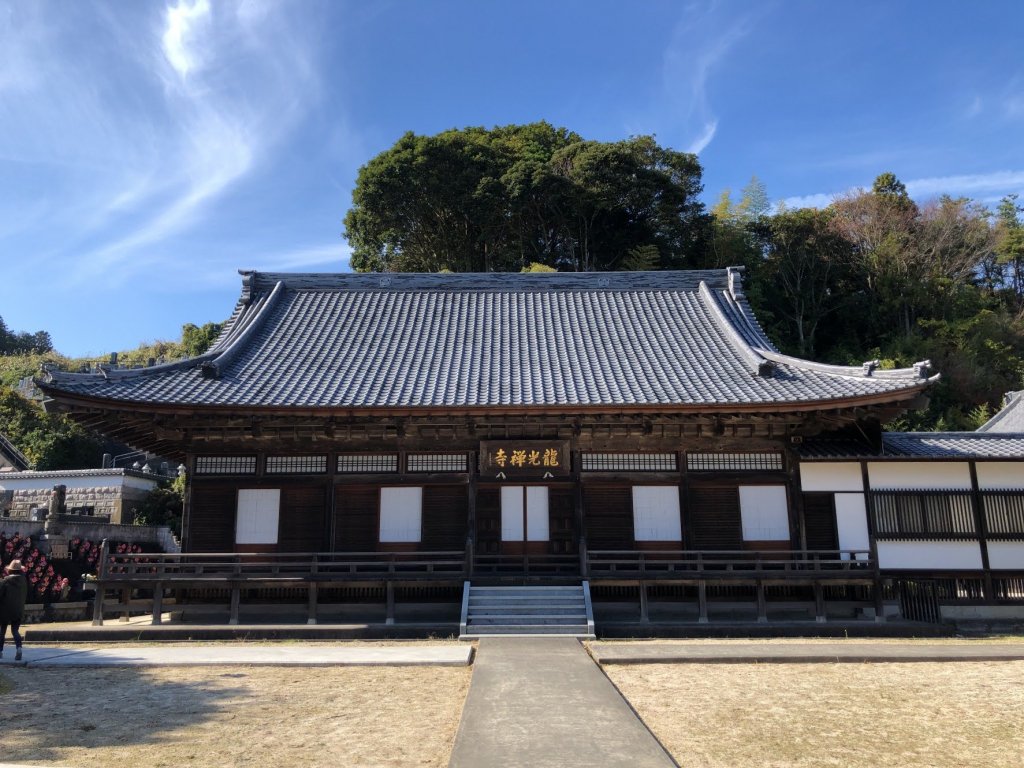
(526, 611)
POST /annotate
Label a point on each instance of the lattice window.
(734, 462)
(297, 465)
(1004, 513)
(629, 462)
(437, 462)
(922, 514)
(349, 463)
(225, 465)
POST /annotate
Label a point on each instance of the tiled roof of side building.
(1010, 417)
(375, 341)
(918, 445)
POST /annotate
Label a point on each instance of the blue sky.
(149, 150)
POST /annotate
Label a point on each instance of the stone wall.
(118, 501)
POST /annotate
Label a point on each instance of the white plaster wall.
(1000, 475)
(944, 555)
(831, 476)
(935, 475)
(1006, 555)
(852, 521)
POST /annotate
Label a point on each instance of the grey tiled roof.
(1010, 418)
(56, 474)
(924, 445)
(492, 340)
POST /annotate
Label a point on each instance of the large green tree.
(501, 199)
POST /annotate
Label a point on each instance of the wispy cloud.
(703, 38)
(179, 36)
(145, 118)
(988, 186)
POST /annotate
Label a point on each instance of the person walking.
(13, 593)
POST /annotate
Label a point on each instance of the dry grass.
(940, 715)
(232, 716)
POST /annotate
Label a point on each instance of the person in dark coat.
(13, 593)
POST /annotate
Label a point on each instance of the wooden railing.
(529, 564)
(726, 563)
(297, 566)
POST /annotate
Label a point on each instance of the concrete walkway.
(806, 653)
(541, 702)
(291, 654)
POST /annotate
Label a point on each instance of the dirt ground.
(231, 716)
(939, 715)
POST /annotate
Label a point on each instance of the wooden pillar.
(158, 603)
(762, 604)
(471, 489)
(819, 603)
(981, 526)
(389, 590)
(97, 606)
(644, 617)
(879, 602)
(702, 601)
(236, 598)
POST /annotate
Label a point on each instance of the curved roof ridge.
(234, 329)
(249, 325)
(758, 364)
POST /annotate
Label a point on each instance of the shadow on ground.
(46, 710)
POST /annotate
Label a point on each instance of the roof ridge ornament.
(735, 277)
(869, 366)
(248, 285)
(922, 368)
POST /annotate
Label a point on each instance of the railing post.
(762, 604)
(584, 565)
(313, 571)
(469, 556)
(644, 616)
(158, 598)
(390, 591)
(819, 603)
(97, 603)
(126, 599)
(702, 601)
(236, 599)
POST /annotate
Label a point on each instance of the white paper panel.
(257, 519)
(852, 522)
(512, 513)
(401, 512)
(765, 512)
(656, 513)
(536, 513)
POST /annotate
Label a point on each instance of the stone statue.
(57, 507)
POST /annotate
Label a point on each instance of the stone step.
(578, 610)
(489, 621)
(524, 601)
(573, 630)
(524, 593)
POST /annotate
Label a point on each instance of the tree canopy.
(499, 200)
